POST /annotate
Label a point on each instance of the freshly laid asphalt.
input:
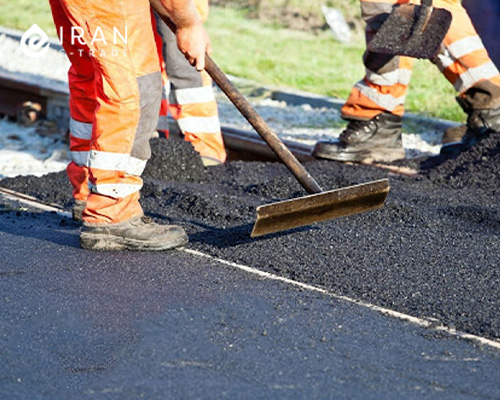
(174, 325)
(79, 324)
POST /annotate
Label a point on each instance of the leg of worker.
(82, 106)
(375, 106)
(163, 124)
(465, 62)
(128, 90)
(192, 101)
(386, 80)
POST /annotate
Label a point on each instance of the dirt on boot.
(139, 234)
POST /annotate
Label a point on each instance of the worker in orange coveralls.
(189, 96)
(115, 95)
(375, 106)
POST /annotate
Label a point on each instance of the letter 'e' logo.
(35, 42)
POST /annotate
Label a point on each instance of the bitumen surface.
(430, 252)
(177, 325)
(397, 302)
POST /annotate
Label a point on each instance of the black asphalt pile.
(173, 160)
(477, 168)
(431, 252)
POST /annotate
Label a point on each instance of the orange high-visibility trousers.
(82, 102)
(462, 59)
(115, 95)
(188, 95)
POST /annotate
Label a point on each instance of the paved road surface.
(84, 325)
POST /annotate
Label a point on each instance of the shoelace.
(144, 220)
(353, 128)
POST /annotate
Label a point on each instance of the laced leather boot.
(480, 124)
(77, 210)
(378, 139)
(140, 234)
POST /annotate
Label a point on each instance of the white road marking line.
(395, 314)
(433, 325)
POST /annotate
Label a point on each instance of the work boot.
(140, 234)
(454, 134)
(378, 139)
(480, 124)
(77, 210)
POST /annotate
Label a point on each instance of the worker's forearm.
(181, 12)
(192, 38)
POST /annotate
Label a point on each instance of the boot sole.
(373, 155)
(114, 243)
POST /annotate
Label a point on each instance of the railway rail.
(25, 95)
(18, 95)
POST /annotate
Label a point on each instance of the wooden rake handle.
(258, 123)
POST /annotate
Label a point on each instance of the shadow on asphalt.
(224, 237)
(238, 235)
(45, 226)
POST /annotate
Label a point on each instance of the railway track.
(19, 94)
(25, 93)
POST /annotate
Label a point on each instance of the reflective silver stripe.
(465, 46)
(115, 190)
(162, 123)
(80, 158)
(385, 101)
(165, 93)
(136, 166)
(80, 130)
(401, 76)
(444, 60)
(108, 161)
(203, 94)
(116, 162)
(199, 124)
(456, 50)
(474, 75)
